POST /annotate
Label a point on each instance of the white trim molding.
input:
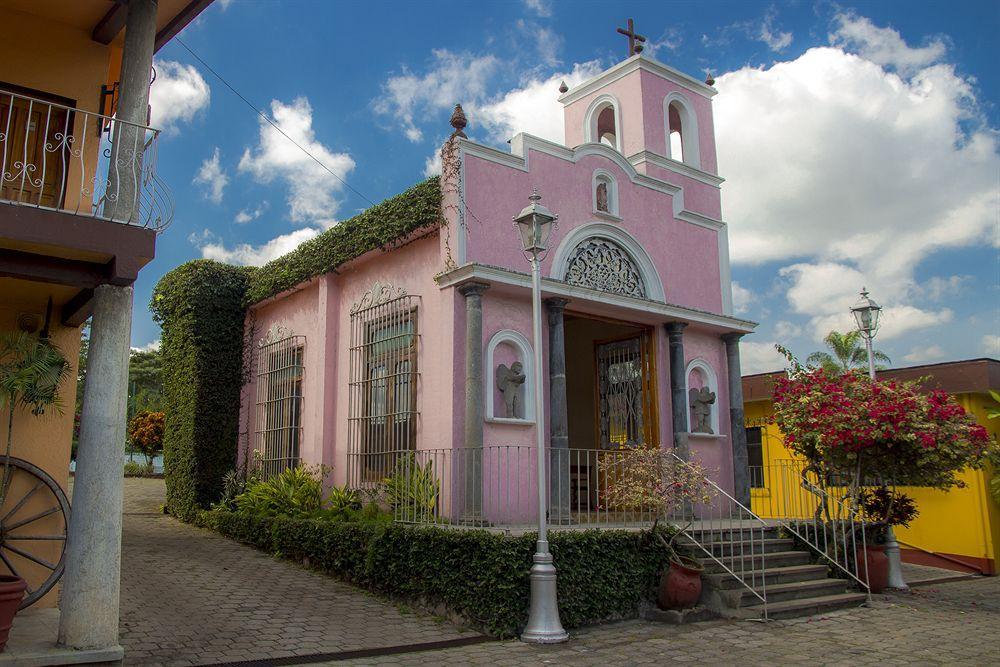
(523, 346)
(626, 67)
(690, 139)
(643, 262)
(614, 205)
(591, 118)
(712, 382)
(669, 164)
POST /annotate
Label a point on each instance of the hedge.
(381, 226)
(478, 575)
(199, 306)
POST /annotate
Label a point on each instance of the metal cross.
(633, 37)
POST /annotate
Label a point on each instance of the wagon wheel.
(33, 521)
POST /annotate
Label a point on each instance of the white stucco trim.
(634, 63)
(690, 138)
(713, 384)
(593, 113)
(669, 164)
(643, 262)
(725, 272)
(661, 311)
(518, 340)
(614, 205)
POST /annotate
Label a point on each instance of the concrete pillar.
(559, 483)
(474, 401)
(128, 139)
(678, 384)
(741, 472)
(89, 602)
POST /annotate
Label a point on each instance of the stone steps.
(798, 590)
(731, 548)
(771, 575)
(810, 606)
(753, 562)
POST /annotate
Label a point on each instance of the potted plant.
(881, 507)
(31, 371)
(657, 483)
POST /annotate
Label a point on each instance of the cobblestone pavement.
(951, 624)
(190, 597)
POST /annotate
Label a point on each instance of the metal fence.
(278, 414)
(56, 157)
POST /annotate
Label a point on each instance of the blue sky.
(859, 141)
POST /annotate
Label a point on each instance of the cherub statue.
(701, 409)
(602, 197)
(509, 382)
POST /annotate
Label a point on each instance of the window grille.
(755, 456)
(382, 411)
(278, 423)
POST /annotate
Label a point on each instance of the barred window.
(278, 424)
(383, 383)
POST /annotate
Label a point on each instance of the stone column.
(474, 399)
(741, 472)
(89, 602)
(559, 488)
(129, 136)
(678, 383)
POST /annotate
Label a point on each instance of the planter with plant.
(654, 482)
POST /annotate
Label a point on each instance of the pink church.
(418, 361)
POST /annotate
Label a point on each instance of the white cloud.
(776, 40)
(533, 108)
(451, 79)
(670, 40)
(541, 7)
(883, 46)
(991, 345)
(177, 95)
(248, 215)
(938, 288)
(784, 330)
(547, 42)
(311, 189)
(742, 298)
(923, 354)
(760, 358)
(152, 346)
(432, 165)
(213, 177)
(249, 255)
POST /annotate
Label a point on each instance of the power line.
(270, 122)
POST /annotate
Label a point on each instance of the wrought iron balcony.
(64, 159)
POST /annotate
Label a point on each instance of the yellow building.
(957, 529)
(80, 207)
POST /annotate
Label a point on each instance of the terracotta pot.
(878, 566)
(11, 593)
(680, 585)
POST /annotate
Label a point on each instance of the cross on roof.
(633, 37)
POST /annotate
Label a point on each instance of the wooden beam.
(179, 22)
(78, 309)
(111, 23)
(51, 270)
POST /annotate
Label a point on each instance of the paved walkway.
(192, 597)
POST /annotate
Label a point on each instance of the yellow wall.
(960, 522)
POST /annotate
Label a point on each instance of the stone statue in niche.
(701, 410)
(510, 382)
(602, 197)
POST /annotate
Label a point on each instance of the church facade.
(420, 359)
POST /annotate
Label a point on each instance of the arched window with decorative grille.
(602, 264)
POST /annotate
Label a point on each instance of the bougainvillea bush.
(886, 432)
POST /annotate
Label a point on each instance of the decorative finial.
(563, 87)
(710, 80)
(459, 121)
(534, 196)
(633, 38)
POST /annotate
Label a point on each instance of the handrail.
(733, 515)
(839, 530)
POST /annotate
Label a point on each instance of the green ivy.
(479, 575)
(381, 226)
(199, 306)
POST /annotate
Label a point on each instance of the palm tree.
(847, 352)
(31, 370)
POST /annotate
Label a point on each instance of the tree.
(847, 352)
(145, 381)
(31, 370)
(145, 434)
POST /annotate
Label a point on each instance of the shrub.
(479, 575)
(199, 306)
(145, 434)
(135, 469)
(412, 490)
(295, 492)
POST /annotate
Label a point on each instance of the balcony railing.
(64, 159)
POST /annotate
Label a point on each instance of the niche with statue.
(509, 378)
(702, 399)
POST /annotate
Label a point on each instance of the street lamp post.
(866, 315)
(535, 224)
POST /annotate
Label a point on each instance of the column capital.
(675, 329)
(473, 288)
(733, 337)
(556, 303)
